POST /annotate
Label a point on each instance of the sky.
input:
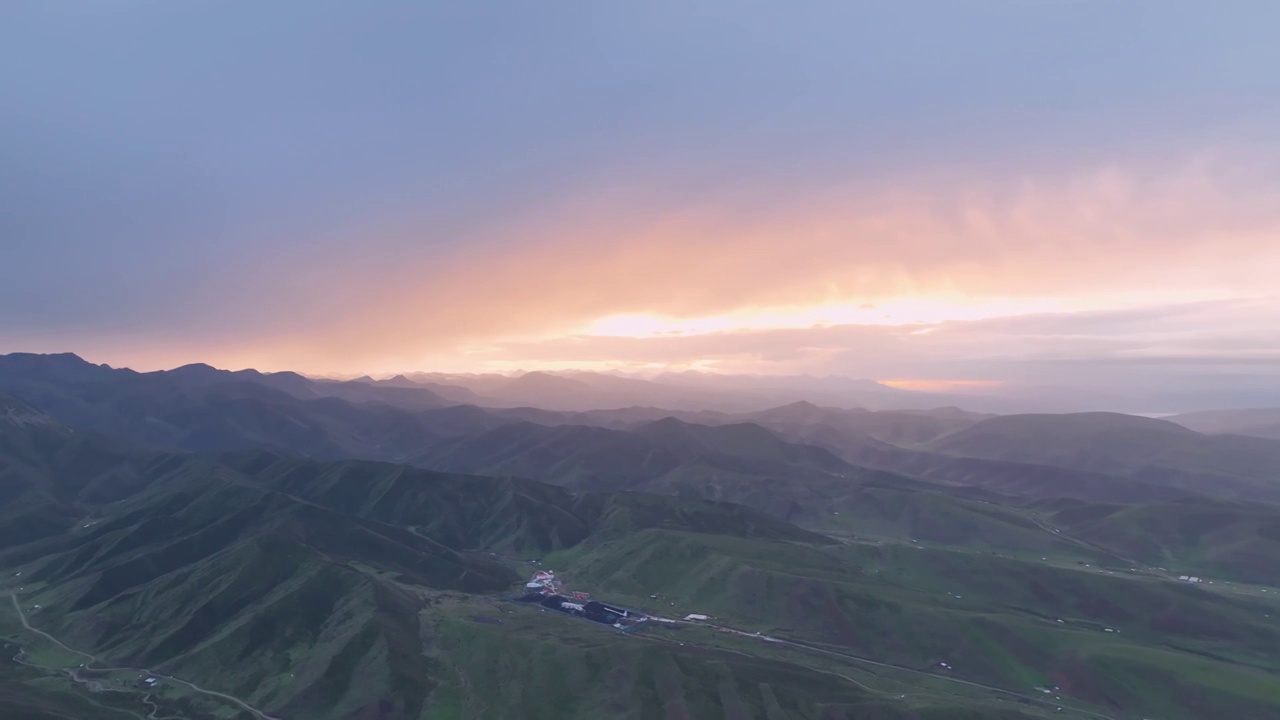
(932, 193)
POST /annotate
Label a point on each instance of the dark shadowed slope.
(202, 409)
(738, 463)
(603, 458)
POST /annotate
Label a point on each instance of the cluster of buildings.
(548, 592)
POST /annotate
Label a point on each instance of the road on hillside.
(876, 663)
(260, 715)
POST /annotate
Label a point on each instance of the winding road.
(876, 663)
(260, 715)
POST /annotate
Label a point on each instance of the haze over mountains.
(693, 391)
(317, 549)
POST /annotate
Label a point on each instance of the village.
(545, 589)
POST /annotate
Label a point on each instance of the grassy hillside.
(1215, 539)
(292, 585)
(548, 667)
(993, 620)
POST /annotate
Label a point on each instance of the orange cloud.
(932, 385)
(939, 246)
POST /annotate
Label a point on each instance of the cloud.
(1099, 239)
(1089, 263)
(1105, 348)
(182, 186)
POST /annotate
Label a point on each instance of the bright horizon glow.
(933, 385)
(894, 311)
(897, 311)
(1077, 193)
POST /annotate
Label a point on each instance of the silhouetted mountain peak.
(666, 426)
(56, 366)
(194, 370)
(288, 375)
(66, 359)
(399, 381)
(802, 412)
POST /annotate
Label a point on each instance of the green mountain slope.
(991, 620)
(1215, 539)
(350, 589)
(294, 585)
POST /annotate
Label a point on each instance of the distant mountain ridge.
(665, 455)
(1261, 422)
(774, 459)
(578, 391)
(1128, 446)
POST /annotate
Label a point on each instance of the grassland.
(999, 621)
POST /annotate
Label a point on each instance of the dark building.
(600, 612)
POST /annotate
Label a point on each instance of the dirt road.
(90, 659)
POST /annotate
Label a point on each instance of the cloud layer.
(961, 192)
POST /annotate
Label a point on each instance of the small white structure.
(695, 616)
(544, 580)
(576, 607)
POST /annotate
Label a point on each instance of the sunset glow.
(597, 205)
(891, 312)
(923, 385)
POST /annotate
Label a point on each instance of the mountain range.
(346, 550)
